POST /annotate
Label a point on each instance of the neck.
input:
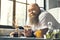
(34, 20)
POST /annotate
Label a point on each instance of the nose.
(32, 12)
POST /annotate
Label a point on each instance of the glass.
(27, 31)
(50, 25)
(20, 13)
(6, 12)
(27, 27)
(10, 13)
(38, 34)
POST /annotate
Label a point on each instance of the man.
(33, 18)
(36, 19)
(40, 21)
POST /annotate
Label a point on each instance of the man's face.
(33, 11)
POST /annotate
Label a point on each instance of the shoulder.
(43, 14)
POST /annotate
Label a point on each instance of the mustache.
(33, 14)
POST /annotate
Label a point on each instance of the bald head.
(34, 5)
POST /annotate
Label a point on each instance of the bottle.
(50, 30)
(50, 26)
(57, 33)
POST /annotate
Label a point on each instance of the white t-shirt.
(35, 27)
(44, 18)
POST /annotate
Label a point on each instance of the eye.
(29, 10)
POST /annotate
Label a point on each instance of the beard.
(34, 20)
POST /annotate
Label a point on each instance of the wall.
(51, 4)
(0, 9)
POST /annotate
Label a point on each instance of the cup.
(38, 34)
(27, 31)
(27, 27)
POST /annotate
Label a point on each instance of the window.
(6, 12)
(21, 11)
(40, 3)
(30, 1)
(10, 13)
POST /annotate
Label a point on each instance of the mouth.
(31, 15)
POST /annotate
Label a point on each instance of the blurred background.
(14, 12)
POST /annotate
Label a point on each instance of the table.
(18, 38)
